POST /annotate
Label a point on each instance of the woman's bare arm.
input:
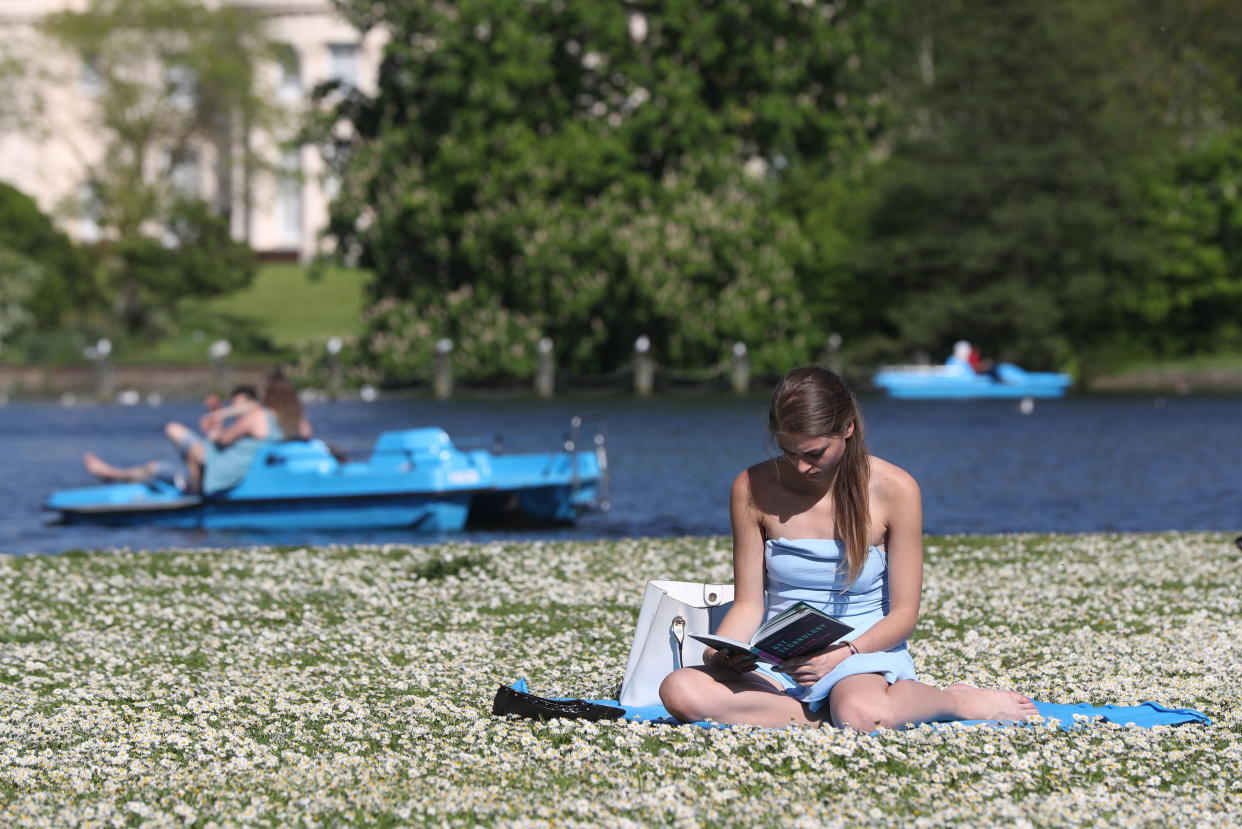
(252, 423)
(212, 423)
(744, 617)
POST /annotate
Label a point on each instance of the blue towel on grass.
(1142, 716)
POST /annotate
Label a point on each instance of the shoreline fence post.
(216, 353)
(644, 366)
(442, 377)
(333, 347)
(545, 374)
(105, 378)
(739, 370)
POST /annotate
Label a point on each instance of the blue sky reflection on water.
(1078, 464)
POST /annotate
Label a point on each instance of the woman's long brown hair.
(281, 396)
(814, 401)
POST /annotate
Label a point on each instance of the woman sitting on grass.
(829, 524)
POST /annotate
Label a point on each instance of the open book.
(799, 630)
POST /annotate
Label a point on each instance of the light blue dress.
(813, 570)
(225, 467)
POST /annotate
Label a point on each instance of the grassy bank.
(290, 308)
(282, 309)
(1210, 373)
(352, 685)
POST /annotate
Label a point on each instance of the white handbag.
(671, 611)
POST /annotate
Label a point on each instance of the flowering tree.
(598, 171)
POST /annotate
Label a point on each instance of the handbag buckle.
(678, 627)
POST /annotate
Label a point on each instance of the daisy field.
(346, 685)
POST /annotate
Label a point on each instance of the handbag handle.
(678, 628)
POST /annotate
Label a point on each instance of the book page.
(722, 643)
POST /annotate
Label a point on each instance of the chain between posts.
(641, 375)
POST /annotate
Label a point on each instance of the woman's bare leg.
(193, 456)
(867, 702)
(128, 474)
(725, 696)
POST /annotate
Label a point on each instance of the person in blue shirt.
(232, 435)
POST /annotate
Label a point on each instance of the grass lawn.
(342, 685)
(290, 308)
(283, 305)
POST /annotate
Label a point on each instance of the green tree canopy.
(36, 246)
(601, 170)
(1025, 205)
(20, 278)
(195, 257)
(1054, 180)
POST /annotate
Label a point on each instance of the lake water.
(1078, 464)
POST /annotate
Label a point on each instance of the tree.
(195, 257)
(1002, 196)
(599, 171)
(177, 92)
(54, 278)
(1190, 299)
(1027, 203)
(20, 278)
(20, 103)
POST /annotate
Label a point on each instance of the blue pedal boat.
(415, 478)
(956, 381)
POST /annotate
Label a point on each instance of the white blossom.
(637, 25)
(352, 685)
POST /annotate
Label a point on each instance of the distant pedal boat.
(415, 478)
(960, 382)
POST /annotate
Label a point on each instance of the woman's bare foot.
(100, 468)
(991, 704)
(96, 465)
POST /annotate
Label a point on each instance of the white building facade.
(279, 207)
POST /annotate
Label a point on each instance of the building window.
(182, 85)
(90, 209)
(183, 173)
(343, 66)
(289, 82)
(289, 199)
(90, 80)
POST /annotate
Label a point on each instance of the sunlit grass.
(282, 309)
(321, 686)
(290, 308)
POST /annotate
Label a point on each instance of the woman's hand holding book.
(740, 661)
(810, 668)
